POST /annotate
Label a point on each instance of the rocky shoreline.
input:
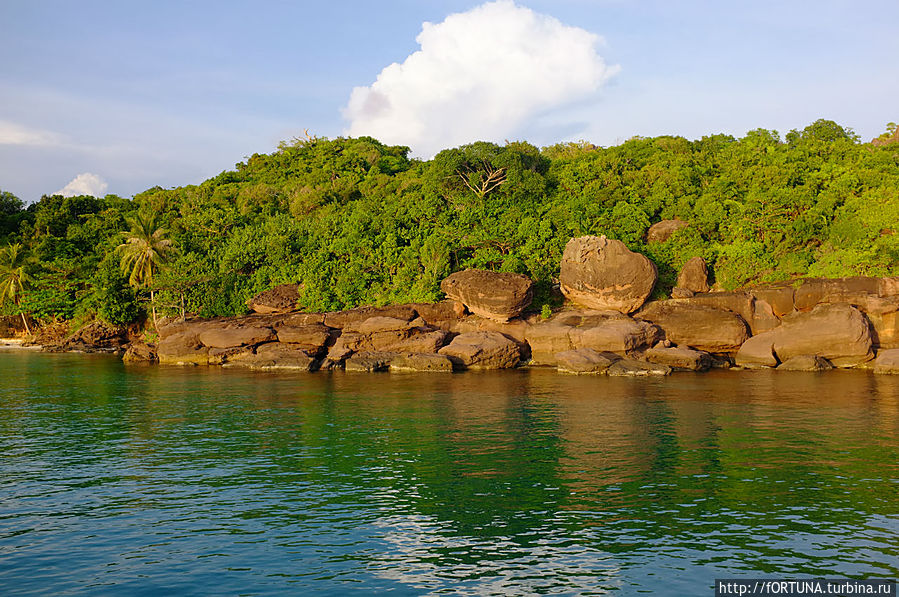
(606, 327)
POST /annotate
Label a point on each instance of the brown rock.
(604, 331)
(887, 362)
(681, 293)
(440, 315)
(679, 358)
(280, 299)
(313, 336)
(805, 362)
(837, 332)
(888, 286)
(883, 313)
(741, 303)
(182, 348)
(140, 352)
(422, 362)
(780, 297)
(368, 362)
(694, 275)
(380, 323)
(585, 360)
(634, 368)
(697, 326)
(301, 319)
(662, 231)
(763, 318)
(96, 336)
(275, 356)
(757, 352)
(495, 295)
(854, 291)
(482, 350)
(229, 335)
(600, 273)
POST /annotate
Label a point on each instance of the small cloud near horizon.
(84, 184)
(484, 74)
(17, 134)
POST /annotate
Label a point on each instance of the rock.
(585, 360)
(632, 367)
(314, 336)
(422, 362)
(229, 335)
(515, 330)
(600, 273)
(837, 332)
(495, 295)
(604, 331)
(697, 326)
(367, 362)
(662, 231)
(679, 358)
(280, 299)
(805, 362)
(140, 352)
(741, 303)
(301, 319)
(340, 319)
(779, 297)
(694, 275)
(482, 350)
(274, 356)
(757, 352)
(681, 293)
(763, 318)
(439, 315)
(887, 362)
(182, 348)
(883, 313)
(96, 336)
(380, 323)
(854, 291)
(888, 286)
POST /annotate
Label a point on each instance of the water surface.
(146, 480)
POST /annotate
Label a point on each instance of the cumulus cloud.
(16, 134)
(84, 184)
(479, 75)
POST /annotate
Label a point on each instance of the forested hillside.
(357, 222)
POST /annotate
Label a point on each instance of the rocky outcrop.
(757, 352)
(887, 362)
(603, 274)
(585, 360)
(140, 352)
(273, 356)
(233, 335)
(495, 295)
(341, 319)
(694, 276)
(697, 326)
(280, 299)
(94, 337)
(854, 291)
(312, 337)
(435, 363)
(662, 231)
(482, 350)
(678, 357)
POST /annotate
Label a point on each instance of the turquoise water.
(152, 480)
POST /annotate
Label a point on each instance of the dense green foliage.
(357, 222)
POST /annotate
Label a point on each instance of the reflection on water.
(146, 479)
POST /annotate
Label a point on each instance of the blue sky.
(171, 93)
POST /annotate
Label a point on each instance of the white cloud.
(16, 134)
(84, 184)
(479, 75)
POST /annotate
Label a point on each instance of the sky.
(117, 97)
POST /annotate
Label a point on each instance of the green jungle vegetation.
(356, 222)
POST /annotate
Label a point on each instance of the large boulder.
(694, 276)
(585, 360)
(838, 332)
(280, 299)
(883, 313)
(140, 352)
(495, 295)
(182, 348)
(439, 315)
(313, 336)
(697, 326)
(662, 231)
(96, 336)
(601, 273)
(422, 362)
(341, 319)
(778, 296)
(274, 356)
(757, 352)
(482, 350)
(607, 331)
(679, 357)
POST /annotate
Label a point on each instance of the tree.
(13, 277)
(145, 252)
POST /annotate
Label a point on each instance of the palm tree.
(13, 277)
(145, 252)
